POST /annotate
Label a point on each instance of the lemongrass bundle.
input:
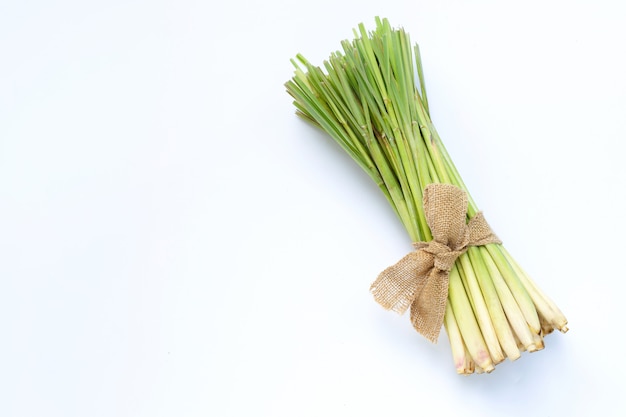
(371, 99)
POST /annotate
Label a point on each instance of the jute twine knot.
(420, 279)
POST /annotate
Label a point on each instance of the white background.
(175, 242)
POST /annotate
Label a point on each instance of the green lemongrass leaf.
(431, 145)
(318, 102)
(322, 115)
(330, 103)
(420, 74)
(397, 115)
(338, 76)
(453, 173)
(342, 113)
(390, 179)
(364, 46)
(386, 131)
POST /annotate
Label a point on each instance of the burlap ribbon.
(420, 279)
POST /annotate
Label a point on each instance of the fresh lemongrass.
(370, 97)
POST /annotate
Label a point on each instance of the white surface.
(175, 242)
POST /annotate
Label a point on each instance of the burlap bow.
(420, 279)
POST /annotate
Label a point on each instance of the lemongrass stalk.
(389, 149)
(477, 301)
(523, 299)
(494, 306)
(407, 212)
(545, 306)
(451, 170)
(466, 287)
(511, 309)
(464, 315)
(456, 340)
(432, 147)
